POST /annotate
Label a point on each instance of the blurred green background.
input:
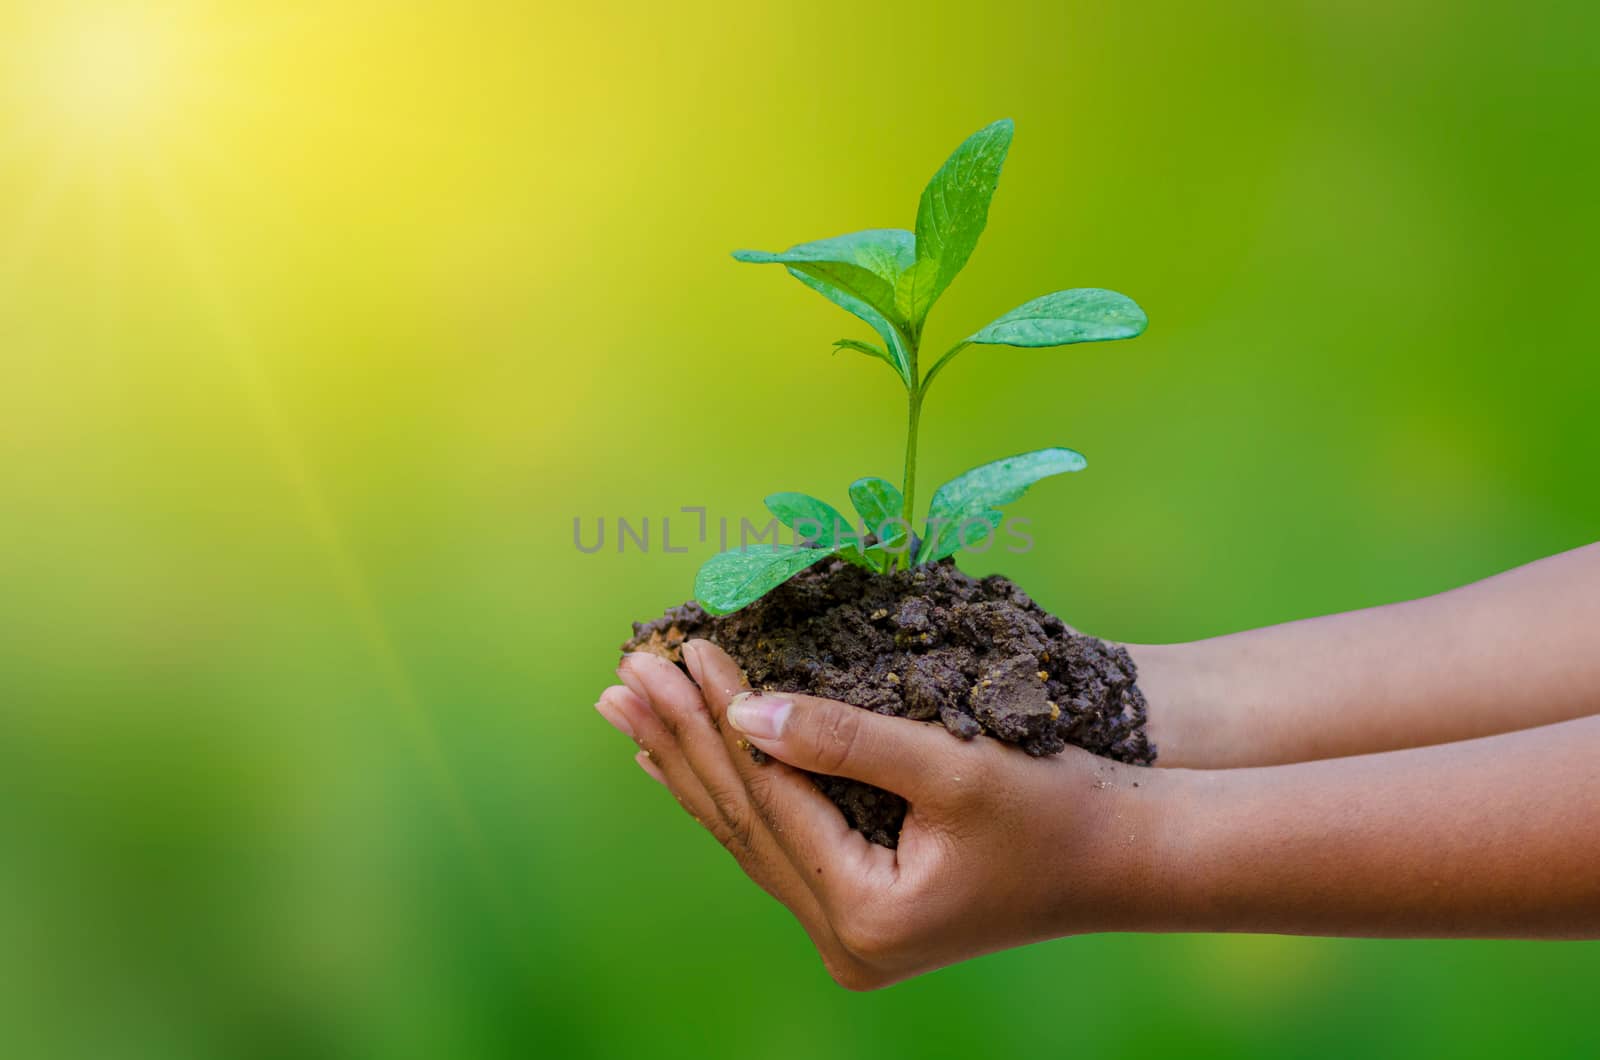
(320, 323)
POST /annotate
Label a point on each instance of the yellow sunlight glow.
(112, 73)
(116, 81)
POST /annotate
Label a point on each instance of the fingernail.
(626, 675)
(759, 716)
(691, 659)
(643, 758)
(612, 713)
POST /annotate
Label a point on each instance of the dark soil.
(932, 644)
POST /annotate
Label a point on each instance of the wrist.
(1141, 826)
(1181, 724)
(1170, 815)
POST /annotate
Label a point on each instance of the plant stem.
(908, 486)
(942, 361)
(918, 389)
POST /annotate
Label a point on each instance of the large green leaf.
(1083, 314)
(813, 520)
(966, 504)
(730, 580)
(950, 218)
(884, 252)
(864, 264)
(881, 507)
(857, 272)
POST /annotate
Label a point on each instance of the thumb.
(826, 736)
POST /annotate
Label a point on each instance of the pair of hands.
(1419, 769)
(998, 849)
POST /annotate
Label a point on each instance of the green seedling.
(890, 278)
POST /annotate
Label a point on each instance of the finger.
(651, 770)
(831, 856)
(761, 859)
(609, 707)
(765, 863)
(662, 758)
(613, 712)
(825, 736)
(677, 703)
(678, 721)
(631, 715)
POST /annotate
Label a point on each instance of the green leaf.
(899, 357)
(883, 252)
(881, 507)
(866, 264)
(1083, 314)
(730, 580)
(950, 218)
(871, 559)
(813, 520)
(867, 348)
(876, 559)
(967, 503)
(857, 272)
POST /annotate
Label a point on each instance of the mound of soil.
(932, 644)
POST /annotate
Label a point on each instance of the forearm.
(1488, 838)
(1513, 651)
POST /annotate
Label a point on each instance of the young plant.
(890, 278)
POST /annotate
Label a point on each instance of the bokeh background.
(321, 322)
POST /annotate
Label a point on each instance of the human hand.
(998, 849)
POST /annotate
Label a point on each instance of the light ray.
(30, 225)
(288, 454)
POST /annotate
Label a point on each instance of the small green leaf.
(813, 520)
(876, 559)
(857, 272)
(730, 580)
(867, 348)
(1083, 314)
(899, 356)
(950, 218)
(880, 505)
(966, 504)
(870, 560)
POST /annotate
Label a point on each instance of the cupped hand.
(998, 849)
